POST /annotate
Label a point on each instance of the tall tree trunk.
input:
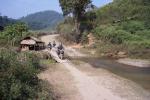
(77, 26)
(77, 15)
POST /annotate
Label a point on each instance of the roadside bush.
(115, 35)
(18, 78)
(145, 44)
(97, 31)
(133, 26)
(112, 35)
(84, 38)
(139, 49)
(143, 34)
(119, 36)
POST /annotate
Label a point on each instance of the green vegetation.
(42, 20)
(117, 35)
(76, 8)
(18, 77)
(18, 70)
(47, 62)
(4, 21)
(125, 23)
(13, 33)
(67, 29)
(122, 23)
(121, 11)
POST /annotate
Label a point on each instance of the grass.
(76, 62)
(47, 62)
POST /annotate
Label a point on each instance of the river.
(139, 75)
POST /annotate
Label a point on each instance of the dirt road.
(80, 81)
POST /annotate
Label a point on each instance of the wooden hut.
(31, 43)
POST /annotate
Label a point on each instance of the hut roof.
(30, 40)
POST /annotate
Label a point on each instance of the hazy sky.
(19, 8)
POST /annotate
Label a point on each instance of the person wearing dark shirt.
(50, 45)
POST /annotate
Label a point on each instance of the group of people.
(59, 49)
(51, 45)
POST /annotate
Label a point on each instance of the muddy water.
(139, 75)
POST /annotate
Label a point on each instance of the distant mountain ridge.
(42, 20)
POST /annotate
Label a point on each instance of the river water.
(139, 75)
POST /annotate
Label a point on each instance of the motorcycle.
(49, 46)
(60, 54)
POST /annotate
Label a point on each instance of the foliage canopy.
(77, 8)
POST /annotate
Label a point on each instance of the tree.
(14, 32)
(77, 8)
(4, 21)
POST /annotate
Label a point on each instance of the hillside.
(4, 21)
(125, 25)
(42, 20)
(122, 25)
(124, 10)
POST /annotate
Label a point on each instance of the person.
(54, 44)
(50, 45)
(60, 47)
(60, 51)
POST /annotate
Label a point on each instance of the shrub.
(119, 36)
(112, 34)
(84, 38)
(133, 26)
(143, 34)
(97, 31)
(18, 78)
(115, 35)
(145, 44)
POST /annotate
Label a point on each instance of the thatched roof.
(30, 40)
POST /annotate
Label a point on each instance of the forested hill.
(4, 21)
(124, 10)
(42, 20)
(126, 23)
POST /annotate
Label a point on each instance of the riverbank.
(135, 62)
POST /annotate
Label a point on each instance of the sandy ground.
(83, 82)
(135, 62)
(118, 86)
(88, 87)
(61, 80)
